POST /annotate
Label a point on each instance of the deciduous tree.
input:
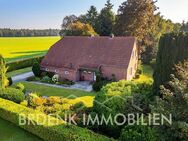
(79, 29)
(135, 18)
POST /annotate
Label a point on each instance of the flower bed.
(57, 130)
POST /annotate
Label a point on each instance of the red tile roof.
(78, 51)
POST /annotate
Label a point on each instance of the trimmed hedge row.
(20, 64)
(57, 130)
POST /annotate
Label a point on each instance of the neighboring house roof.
(78, 51)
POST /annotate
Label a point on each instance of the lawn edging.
(56, 130)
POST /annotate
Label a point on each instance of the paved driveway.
(22, 77)
(84, 86)
(81, 85)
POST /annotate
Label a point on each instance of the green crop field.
(14, 48)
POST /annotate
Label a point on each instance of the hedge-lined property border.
(57, 130)
(24, 63)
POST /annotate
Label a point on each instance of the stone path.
(22, 77)
(84, 86)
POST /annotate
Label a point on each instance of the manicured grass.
(10, 132)
(51, 91)
(147, 74)
(14, 48)
(20, 71)
(71, 96)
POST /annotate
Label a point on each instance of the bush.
(33, 78)
(36, 69)
(66, 82)
(20, 87)
(24, 103)
(30, 98)
(97, 86)
(20, 64)
(100, 82)
(46, 79)
(50, 74)
(50, 128)
(117, 98)
(77, 106)
(13, 95)
(53, 100)
(138, 133)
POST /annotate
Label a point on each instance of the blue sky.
(40, 14)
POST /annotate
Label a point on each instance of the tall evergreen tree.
(106, 20)
(173, 48)
(175, 102)
(91, 16)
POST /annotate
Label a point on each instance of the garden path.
(22, 77)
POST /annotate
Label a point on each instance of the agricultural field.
(14, 48)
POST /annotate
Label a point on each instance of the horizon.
(49, 14)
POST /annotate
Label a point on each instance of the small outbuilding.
(79, 58)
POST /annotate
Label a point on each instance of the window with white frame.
(66, 72)
(56, 71)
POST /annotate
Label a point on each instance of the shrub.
(77, 106)
(117, 98)
(138, 133)
(33, 78)
(38, 101)
(24, 103)
(66, 82)
(13, 95)
(100, 82)
(30, 98)
(20, 87)
(50, 74)
(50, 128)
(97, 86)
(46, 79)
(36, 69)
(53, 100)
(24, 63)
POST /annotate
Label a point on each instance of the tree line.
(7, 32)
(134, 18)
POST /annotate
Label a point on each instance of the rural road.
(22, 77)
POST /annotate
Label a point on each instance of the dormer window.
(66, 72)
(56, 71)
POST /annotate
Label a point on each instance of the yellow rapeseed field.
(24, 47)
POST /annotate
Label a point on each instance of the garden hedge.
(57, 130)
(20, 64)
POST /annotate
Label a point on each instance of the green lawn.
(13, 48)
(52, 91)
(147, 74)
(20, 71)
(71, 96)
(10, 132)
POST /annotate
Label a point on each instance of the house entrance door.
(86, 76)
